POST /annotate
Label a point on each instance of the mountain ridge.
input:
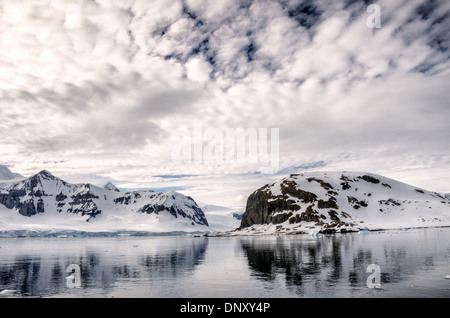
(47, 198)
(6, 174)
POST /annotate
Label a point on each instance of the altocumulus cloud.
(98, 92)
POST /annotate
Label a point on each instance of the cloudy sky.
(98, 90)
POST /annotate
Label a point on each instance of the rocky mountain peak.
(39, 182)
(46, 174)
(110, 186)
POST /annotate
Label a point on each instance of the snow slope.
(341, 201)
(44, 202)
(6, 176)
(222, 219)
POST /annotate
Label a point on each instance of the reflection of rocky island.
(320, 265)
(103, 264)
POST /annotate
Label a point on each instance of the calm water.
(413, 263)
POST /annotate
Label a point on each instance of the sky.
(129, 91)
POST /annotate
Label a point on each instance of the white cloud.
(102, 100)
(198, 70)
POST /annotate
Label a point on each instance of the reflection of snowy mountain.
(44, 201)
(342, 201)
(105, 264)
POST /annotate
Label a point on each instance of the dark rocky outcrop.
(128, 198)
(265, 208)
(262, 205)
(322, 183)
(60, 197)
(391, 202)
(330, 204)
(11, 199)
(355, 203)
(370, 179)
(27, 208)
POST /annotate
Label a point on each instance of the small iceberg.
(314, 233)
(7, 292)
(447, 277)
(364, 232)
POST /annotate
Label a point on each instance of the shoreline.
(61, 234)
(312, 232)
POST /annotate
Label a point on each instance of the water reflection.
(24, 275)
(413, 263)
(102, 266)
(337, 265)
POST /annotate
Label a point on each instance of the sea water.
(408, 263)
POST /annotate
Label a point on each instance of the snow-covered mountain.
(222, 219)
(6, 174)
(331, 202)
(44, 201)
(111, 187)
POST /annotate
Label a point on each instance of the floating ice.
(7, 292)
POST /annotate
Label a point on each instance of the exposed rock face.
(35, 195)
(263, 206)
(11, 199)
(338, 201)
(111, 187)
